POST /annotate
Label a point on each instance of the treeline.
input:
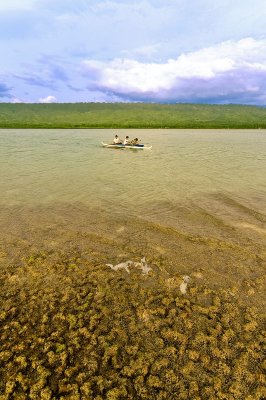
(131, 115)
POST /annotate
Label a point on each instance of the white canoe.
(127, 146)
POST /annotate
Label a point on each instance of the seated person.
(135, 141)
(117, 140)
(127, 141)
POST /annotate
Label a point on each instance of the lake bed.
(159, 252)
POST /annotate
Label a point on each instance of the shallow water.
(143, 270)
(184, 167)
(204, 184)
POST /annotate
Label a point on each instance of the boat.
(127, 146)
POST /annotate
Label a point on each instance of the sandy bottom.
(100, 307)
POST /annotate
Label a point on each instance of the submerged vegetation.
(75, 328)
(131, 115)
(76, 332)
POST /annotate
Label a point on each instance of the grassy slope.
(135, 115)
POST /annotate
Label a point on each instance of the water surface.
(140, 271)
(46, 166)
(206, 184)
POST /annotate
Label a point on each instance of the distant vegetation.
(131, 115)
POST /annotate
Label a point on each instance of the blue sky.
(201, 51)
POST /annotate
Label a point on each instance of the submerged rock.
(183, 285)
(125, 265)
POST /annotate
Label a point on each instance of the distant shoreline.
(130, 116)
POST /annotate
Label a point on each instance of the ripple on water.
(189, 231)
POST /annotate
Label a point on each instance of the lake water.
(135, 270)
(183, 168)
(206, 184)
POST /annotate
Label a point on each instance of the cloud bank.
(124, 50)
(231, 72)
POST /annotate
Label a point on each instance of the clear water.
(104, 249)
(193, 205)
(184, 167)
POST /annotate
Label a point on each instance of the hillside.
(130, 115)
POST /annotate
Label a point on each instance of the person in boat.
(134, 142)
(126, 141)
(117, 140)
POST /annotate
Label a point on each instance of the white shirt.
(117, 140)
(126, 141)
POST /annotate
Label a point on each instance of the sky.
(167, 51)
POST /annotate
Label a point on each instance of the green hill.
(130, 115)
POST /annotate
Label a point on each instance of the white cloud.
(217, 72)
(48, 99)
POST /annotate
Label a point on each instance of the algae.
(74, 328)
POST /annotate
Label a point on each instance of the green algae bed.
(73, 328)
(131, 115)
